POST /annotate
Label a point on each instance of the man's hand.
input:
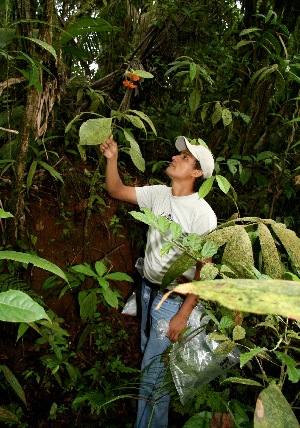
(177, 324)
(109, 148)
(179, 321)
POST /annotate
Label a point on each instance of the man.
(179, 203)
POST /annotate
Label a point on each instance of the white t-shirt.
(193, 214)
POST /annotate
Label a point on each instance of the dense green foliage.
(73, 72)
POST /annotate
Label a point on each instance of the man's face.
(182, 166)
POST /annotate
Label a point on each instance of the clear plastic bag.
(130, 307)
(192, 362)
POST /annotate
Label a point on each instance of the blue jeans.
(154, 398)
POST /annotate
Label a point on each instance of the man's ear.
(197, 173)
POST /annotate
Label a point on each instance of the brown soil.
(66, 234)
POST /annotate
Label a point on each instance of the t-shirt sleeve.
(145, 195)
(206, 222)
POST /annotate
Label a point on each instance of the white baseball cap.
(201, 153)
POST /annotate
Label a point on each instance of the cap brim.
(182, 143)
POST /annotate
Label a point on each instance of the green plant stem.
(88, 214)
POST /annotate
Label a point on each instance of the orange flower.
(126, 83)
(133, 77)
(131, 85)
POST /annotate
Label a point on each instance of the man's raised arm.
(114, 184)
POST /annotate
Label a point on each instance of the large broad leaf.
(16, 306)
(246, 295)
(273, 410)
(206, 187)
(183, 263)
(35, 260)
(135, 152)
(146, 118)
(95, 131)
(88, 304)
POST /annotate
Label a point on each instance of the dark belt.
(155, 288)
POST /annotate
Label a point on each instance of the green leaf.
(249, 30)
(143, 74)
(204, 111)
(259, 296)
(247, 356)
(183, 263)
(135, 152)
(88, 305)
(44, 45)
(223, 183)
(6, 414)
(238, 333)
(84, 269)
(194, 99)
(136, 121)
(245, 175)
(52, 171)
(176, 230)
(206, 187)
(193, 71)
(100, 268)
(163, 223)
(166, 247)
(69, 125)
(22, 330)
(242, 381)
(224, 348)
(86, 26)
(243, 43)
(5, 214)
(30, 175)
(273, 410)
(217, 114)
(147, 217)
(118, 276)
(209, 249)
(292, 371)
(16, 306)
(200, 420)
(110, 297)
(13, 382)
(245, 117)
(145, 118)
(226, 116)
(193, 240)
(95, 131)
(35, 260)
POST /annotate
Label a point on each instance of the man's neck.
(182, 189)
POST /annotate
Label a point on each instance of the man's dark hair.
(199, 180)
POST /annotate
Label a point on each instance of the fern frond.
(271, 258)
(95, 399)
(11, 282)
(291, 243)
